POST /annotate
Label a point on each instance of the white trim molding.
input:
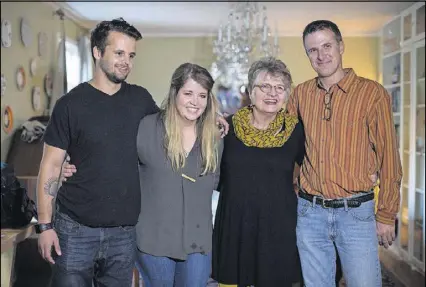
(71, 14)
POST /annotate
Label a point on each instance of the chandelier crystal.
(245, 37)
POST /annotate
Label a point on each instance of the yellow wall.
(40, 18)
(155, 62)
(157, 58)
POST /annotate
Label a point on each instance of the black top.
(99, 131)
(254, 237)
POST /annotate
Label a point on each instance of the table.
(9, 240)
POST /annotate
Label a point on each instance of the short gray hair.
(271, 66)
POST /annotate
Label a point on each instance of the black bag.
(17, 209)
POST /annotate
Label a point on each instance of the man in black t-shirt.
(96, 123)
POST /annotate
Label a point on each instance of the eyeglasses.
(267, 88)
(327, 106)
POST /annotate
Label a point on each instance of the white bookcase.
(403, 75)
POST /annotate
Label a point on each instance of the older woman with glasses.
(254, 240)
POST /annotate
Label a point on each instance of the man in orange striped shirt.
(350, 136)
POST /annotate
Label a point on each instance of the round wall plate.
(7, 119)
(6, 33)
(3, 84)
(33, 66)
(48, 84)
(26, 33)
(36, 98)
(21, 78)
(42, 43)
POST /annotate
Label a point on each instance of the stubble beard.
(111, 75)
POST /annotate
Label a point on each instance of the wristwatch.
(39, 228)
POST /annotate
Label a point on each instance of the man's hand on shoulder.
(223, 124)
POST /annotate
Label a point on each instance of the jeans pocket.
(65, 225)
(364, 213)
(303, 207)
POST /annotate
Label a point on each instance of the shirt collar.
(345, 83)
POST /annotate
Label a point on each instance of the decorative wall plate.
(36, 98)
(6, 33)
(26, 33)
(7, 119)
(42, 43)
(48, 84)
(3, 85)
(33, 66)
(21, 78)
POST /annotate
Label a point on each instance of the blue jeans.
(160, 271)
(351, 230)
(104, 256)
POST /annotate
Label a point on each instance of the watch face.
(6, 33)
(39, 228)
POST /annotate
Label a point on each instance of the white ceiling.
(203, 18)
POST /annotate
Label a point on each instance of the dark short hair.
(99, 35)
(320, 25)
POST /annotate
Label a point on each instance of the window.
(73, 62)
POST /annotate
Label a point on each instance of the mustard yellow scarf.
(273, 136)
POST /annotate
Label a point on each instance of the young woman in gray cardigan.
(179, 150)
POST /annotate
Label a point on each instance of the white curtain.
(86, 72)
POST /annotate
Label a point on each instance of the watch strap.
(39, 228)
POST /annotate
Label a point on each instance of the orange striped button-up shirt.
(357, 141)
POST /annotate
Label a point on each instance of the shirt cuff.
(385, 217)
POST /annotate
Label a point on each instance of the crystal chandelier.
(245, 37)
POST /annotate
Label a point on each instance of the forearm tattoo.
(51, 186)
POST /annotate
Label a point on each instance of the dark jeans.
(104, 256)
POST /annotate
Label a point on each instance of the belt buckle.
(324, 201)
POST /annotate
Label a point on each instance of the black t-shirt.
(99, 131)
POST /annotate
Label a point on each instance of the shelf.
(392, 86)
(405, 63)
(389, 55)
